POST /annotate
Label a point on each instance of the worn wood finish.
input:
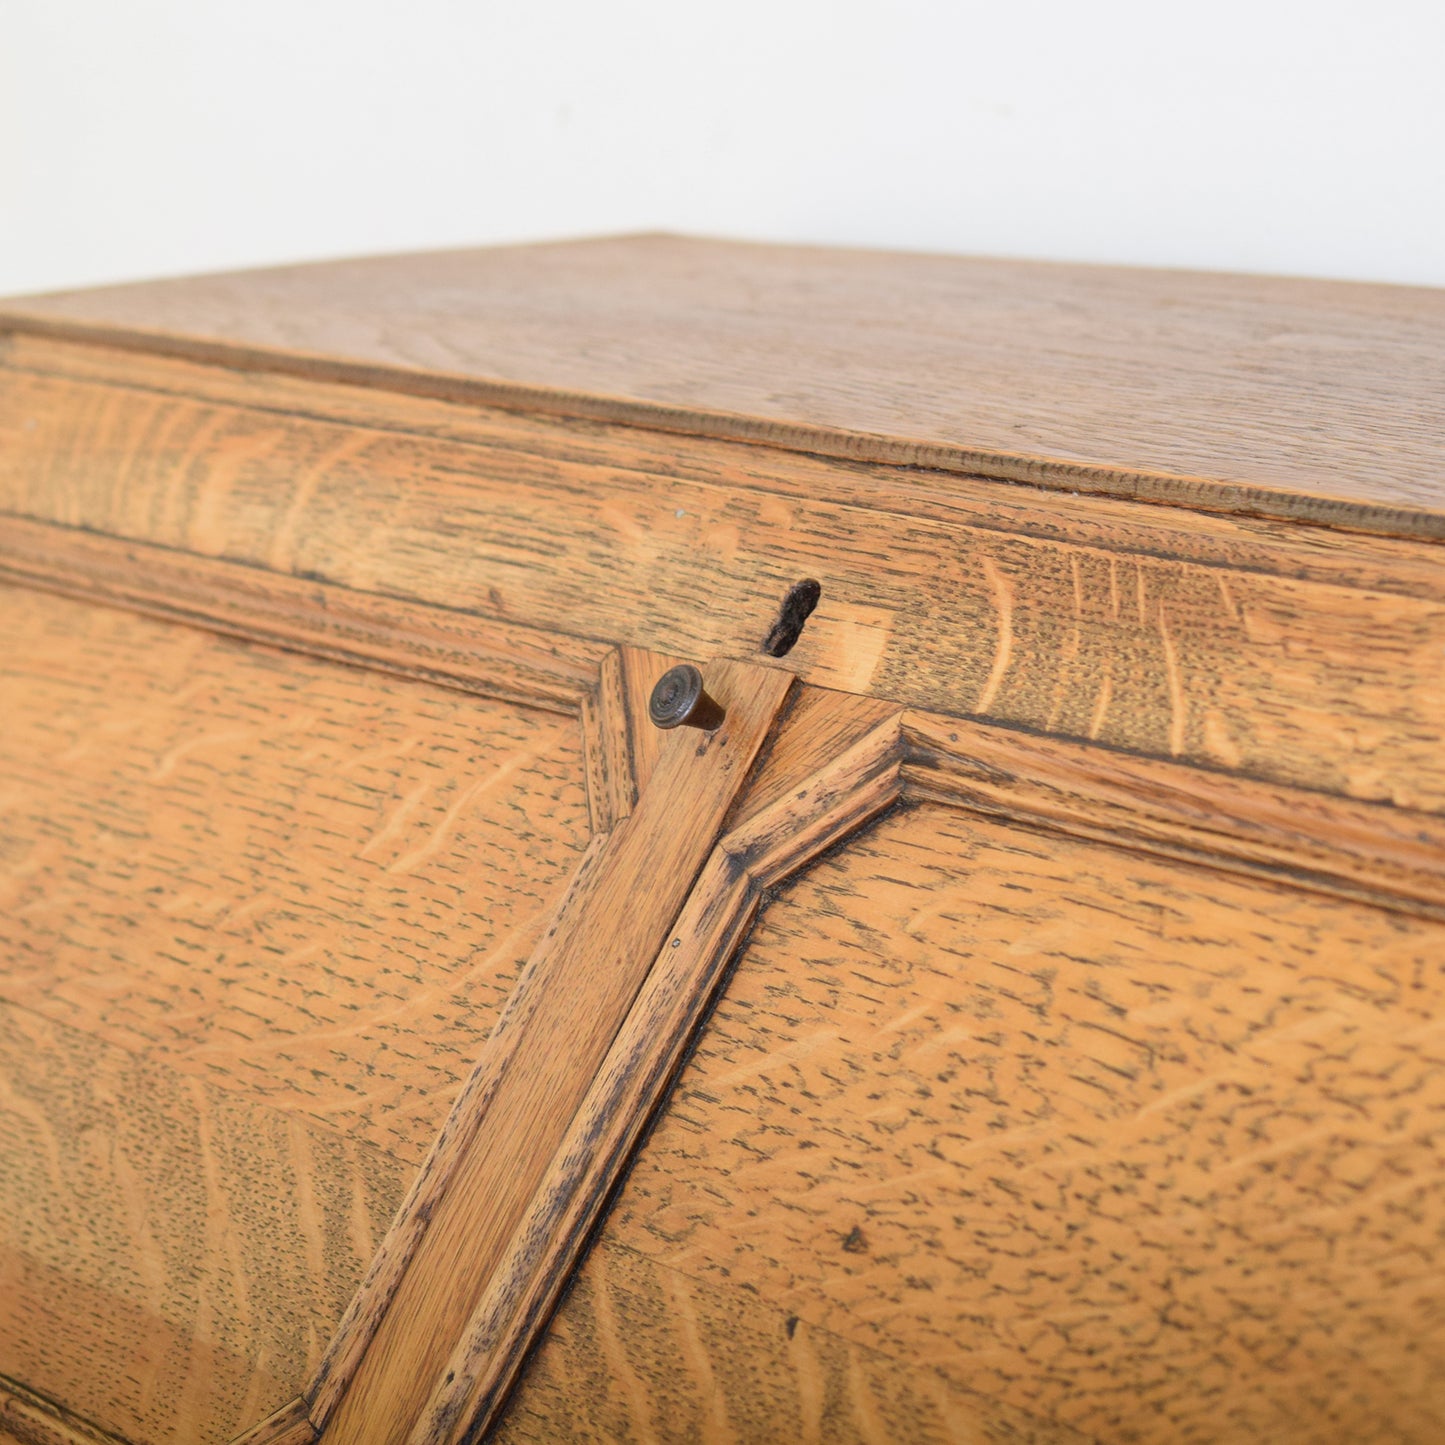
(248, 958)
(175, 1256)
(448, 1153)
(1394, 857)
(490, 658)
(1088, 1092)
(540, 1060)
(291, 871)
(834, 764)
(1205, 815)
(484, 656)
(290, 1425)
(642, 1352)
(28, 1419)
(1292, 664)
(1202, 389)
(1256, 544)
(1132, 1148)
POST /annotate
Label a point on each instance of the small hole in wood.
(797, 608)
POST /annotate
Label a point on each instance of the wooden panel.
(1142, 1151)
(643, 1353)
(1298, 398)
(175, 1257)
(1214, 659)
(1244, 541)
(1394, 857)
(28, 1419)
(491, 658)
(257, 912)
(303, 881)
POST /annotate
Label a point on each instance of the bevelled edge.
(30, 1419)
(1324, 490)
(1388, 855)
(289, 1425)
(1372, 852)
(838, 771)
(508, 662)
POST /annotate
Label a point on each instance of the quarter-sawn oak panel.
(1143, 1151)
(176, 1255)
(295, 879)
(1257, 663)
(257, 913)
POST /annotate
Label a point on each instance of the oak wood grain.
(175, 1256)
(1137, 1149)
(1392, 857)
(259, 909)
(1260, 544)
(1091, 1092)
(487, 657)
(306, 882)
(1264, 669)
(831, 764)
(541, 1058)
(29, 1419)
(1391, 854)
(645, 1355)
(1303, 399)
(290, 1425)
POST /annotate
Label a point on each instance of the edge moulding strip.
(1129, 483)
(510, 662)
(822, 797)
(1392, 857)
(831, 763)
(31, 1419)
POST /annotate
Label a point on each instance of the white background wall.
(147, 137)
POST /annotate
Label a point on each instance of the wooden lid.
(1311, 400)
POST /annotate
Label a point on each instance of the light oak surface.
(1051, 1129)
(1046, 951)
(1316, 659)
(547, 1047)
(271, 872)
(1234, 391)
(252, 943)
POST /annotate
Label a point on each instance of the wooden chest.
(1020, 1019)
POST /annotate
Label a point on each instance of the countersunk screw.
(679, 700)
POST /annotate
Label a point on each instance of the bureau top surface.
(1305, 399)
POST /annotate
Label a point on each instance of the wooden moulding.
(1307, 655)
(827, 780)
(1392, 857)
(458, 650)
(535, 1070)
(689, 834)
(1388, 855)
(1205, 390)
(29, 1419)
(290, 1425)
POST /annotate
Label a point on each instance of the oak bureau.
(1008, 1007)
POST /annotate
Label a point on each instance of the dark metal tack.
(680, 700)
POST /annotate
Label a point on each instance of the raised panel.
(1135, 1150)
(257, 913)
